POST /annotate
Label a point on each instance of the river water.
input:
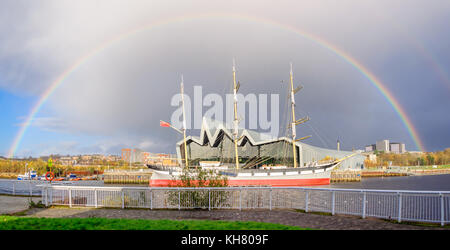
(13, 186)
(424, 183)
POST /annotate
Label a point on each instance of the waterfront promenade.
(291, 217)
(14, 204)
(285, 217)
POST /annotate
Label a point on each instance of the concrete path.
(286, 217)
(14, 204)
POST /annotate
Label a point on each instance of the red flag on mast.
(164, 124)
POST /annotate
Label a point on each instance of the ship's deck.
(232, 171)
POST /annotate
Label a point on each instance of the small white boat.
(30, 175)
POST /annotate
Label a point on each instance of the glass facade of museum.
(253, 149)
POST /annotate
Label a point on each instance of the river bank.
(358, 175)
(9, 175)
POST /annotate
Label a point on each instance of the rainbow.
(340, 53)
(432, 62)
(426, 54)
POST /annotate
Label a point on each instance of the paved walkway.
(286, 217)
(13, 204)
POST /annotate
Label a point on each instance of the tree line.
(410, 159)
(42, 167)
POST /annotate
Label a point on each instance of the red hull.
(255, 182)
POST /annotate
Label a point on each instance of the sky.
(117, 65)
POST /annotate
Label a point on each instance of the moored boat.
(260, 168)
(320, 175)
(30, 175)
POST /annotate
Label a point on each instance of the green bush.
(33, 204)
(199, 198)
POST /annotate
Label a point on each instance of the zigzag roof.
(212, 130)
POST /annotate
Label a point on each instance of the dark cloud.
(123, 91)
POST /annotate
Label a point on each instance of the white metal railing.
(32, 187)
(27, 188)
(140, 170)
(419, 206)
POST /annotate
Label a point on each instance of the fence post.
(333, 203)
(270, 200)
(96, 198)
(179, 199)
(442, 209)
(31, 192)
(14, 188)
(70, 197)
(240, 198)
(151, 199)
(123, 199)
(209, 199)
(43, 195)
(399, 207)
(364, 206)
(46, 196)
(306, 200)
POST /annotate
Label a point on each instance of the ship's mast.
(294, 150)
(295, 122)
(184, 124)
(236, 121)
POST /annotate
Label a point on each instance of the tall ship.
(249, 158)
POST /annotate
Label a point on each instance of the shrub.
(199, 198)
(32, 204)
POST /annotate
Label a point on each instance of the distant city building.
(138, 155)
(132, 155)
(111, 158)
(370, 148)
(86, 157)
(66, 160)
(93, 159)
(383, 146)
(126, 154)
(396, 147)
(387, 147)
(163, 159)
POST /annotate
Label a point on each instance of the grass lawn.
(26, 223)
(430, 167)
